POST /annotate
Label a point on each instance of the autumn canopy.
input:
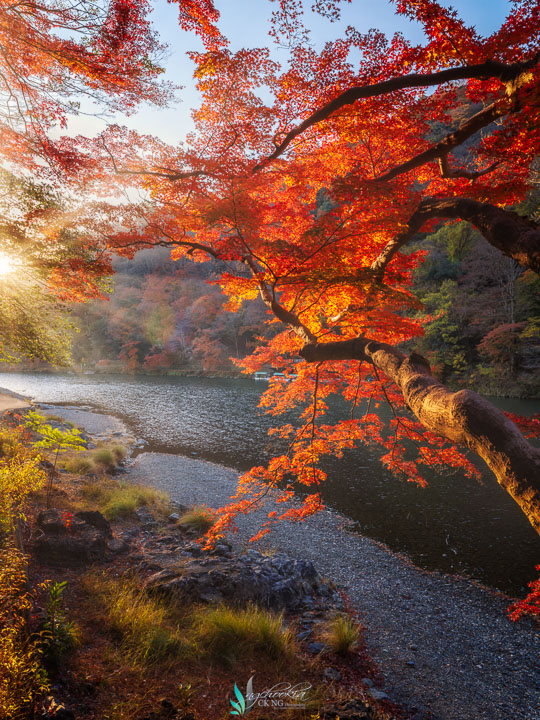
(309, 182)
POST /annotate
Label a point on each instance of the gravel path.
(444, 645)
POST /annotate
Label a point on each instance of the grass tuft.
(118, 499)
(140, 623)
(226, 636)
(341, 634)
(125, 499)
(199, 519)
(105, 458)
(79, 465)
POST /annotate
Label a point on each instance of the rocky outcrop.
(276, 581)
(65, 541)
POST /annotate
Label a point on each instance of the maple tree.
(311, 199)
(59, 59)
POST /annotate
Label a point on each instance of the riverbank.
(116, 569)
(11, 401)
(443, 644)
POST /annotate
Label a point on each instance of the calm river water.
(455, 525)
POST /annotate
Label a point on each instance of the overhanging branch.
(513, 235)
(463, 417)
(483, 71)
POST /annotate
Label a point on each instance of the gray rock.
(277, 581)
(117, 546)
(377, 694)
(173, 517)
(71, 550)
(332, 674)
(145, 517)
(316, 648)
(80, 545)
(96, 519)
(52, 522)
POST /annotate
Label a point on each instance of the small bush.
(93, 491)
(225, 635)
(59, 635)
(22, 678)
(140, 623)
(119, 453)
(20, 476)
(199, 519)
(341, 634)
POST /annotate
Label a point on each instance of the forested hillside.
(482, 326)
(164, 316)
(484, 309)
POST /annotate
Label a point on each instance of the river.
(456, 525)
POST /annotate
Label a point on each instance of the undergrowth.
(119, 499)
(341, 634)
(226, 636)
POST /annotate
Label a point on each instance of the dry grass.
(119, 500)
(341, 634)
(142, 625)
(226, 636)
(199, 519)
(105, 458)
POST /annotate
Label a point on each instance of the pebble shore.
(444, 644)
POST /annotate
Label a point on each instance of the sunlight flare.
(7, 264)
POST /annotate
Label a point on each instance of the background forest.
(482, 328)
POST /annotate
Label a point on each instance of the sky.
(246, 23)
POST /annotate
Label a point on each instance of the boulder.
(79, 544)
(96, 519)
(51, 522)
(277, 581)
(73, 550)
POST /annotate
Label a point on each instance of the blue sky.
(245, 23)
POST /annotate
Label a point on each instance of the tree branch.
(171, 175)
(448, 172)
(513, 235)
(440, 150)
(483, 71)
(463, 417)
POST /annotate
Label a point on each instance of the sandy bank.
(11, 401)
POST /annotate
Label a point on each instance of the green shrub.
(104, 458)
(199, 519)
(226, 636)
(119, 453)
(341, 634)
(59, 635)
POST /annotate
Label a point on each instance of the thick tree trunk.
(515, 236)
(462, 417)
